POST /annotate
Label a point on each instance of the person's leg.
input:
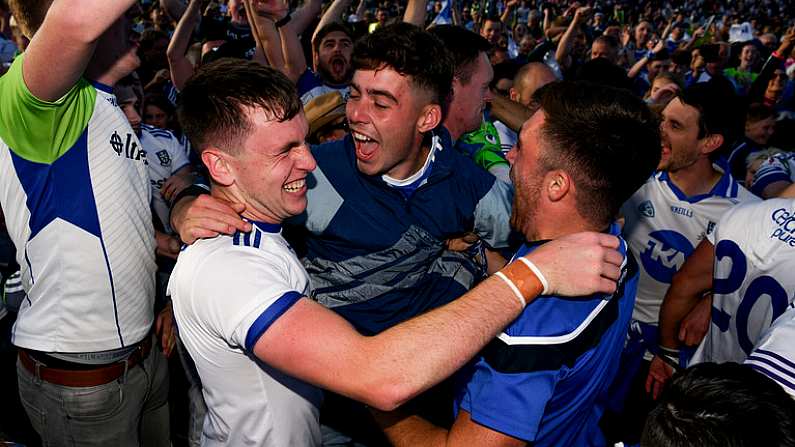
(155, 422)
(103, 415)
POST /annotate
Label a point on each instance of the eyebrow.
(377, 92)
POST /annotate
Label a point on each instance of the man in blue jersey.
(383, 201)
(76, 194)
(544, 379)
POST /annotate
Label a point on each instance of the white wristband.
(513, 288)
(538, 274)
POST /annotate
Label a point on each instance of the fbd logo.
(665, 253)
(646, 208)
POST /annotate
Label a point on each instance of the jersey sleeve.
(512, 404)
(41, 131)
(493, 215)
(774, 355)
(774, 169)
(178, 154)
(245, 293)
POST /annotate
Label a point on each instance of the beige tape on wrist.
(524, 279)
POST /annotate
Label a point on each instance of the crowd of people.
(409, 223)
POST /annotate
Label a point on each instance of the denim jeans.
(129, 411)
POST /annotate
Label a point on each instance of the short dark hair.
(595, 132)
(465, 47)
(211, 105)
(328, 29)
(410, 51)
(719, 110)
(726, 405)
(602, 71)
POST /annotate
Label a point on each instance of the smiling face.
(333, 58)
(270, 168)
(385, 113)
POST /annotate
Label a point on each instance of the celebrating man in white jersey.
(75, 192)
(240, 300)
(671, 214)
(752, 284)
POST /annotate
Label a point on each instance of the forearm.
(293, 53)
(411, 431)
(564, 46)
(415, 12)
(509, 112)
(303, 17)
(636, 69)
(333, 14)
(180, 40)
(413, 356)
(678, 302)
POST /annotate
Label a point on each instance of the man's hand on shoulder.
(206, 216)
(579, 264)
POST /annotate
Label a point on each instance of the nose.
(511, 155)
(355, 112)
(304, 159)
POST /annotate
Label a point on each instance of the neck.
(100, 72)
(559, 224)
(229, 194)
(697, 179)
(413, 164)
(453, 126)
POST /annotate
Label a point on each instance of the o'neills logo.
(785, 221)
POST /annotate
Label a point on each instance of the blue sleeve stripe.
(762, 182)
(269, 316)
(785, 361)
(772, 375)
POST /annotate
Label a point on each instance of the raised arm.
(333, 14)
(69, 35)
(180, 67)
(566, 42)
(303, 16)
(415, 12)
(511, 113)
(388, 369)
(174, 8)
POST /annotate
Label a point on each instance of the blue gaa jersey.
(545, 378)
(664, 226)
(753, 278)
(376, 252)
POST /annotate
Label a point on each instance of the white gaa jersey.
(778, 168)
(75, 195)
(663, 227)
(226, 293)
(166, 155)
(753, 277)
(774, 355)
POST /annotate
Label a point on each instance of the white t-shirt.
(753, 277)
(226, 292)
(166, 155)
(774, 356)
(663, 227)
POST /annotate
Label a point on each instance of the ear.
(430, 118)
(557, 185)
(217, 164)
(513, 94)
(711, 143)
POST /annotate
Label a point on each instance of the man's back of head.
(464, 46)
(712, 405)
(594, 133)
(528, 79)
